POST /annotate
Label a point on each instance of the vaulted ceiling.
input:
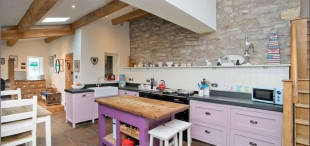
(22, 19)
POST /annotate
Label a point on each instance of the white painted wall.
(93, 40)
(304, 8)
(61, 47)
(202, 10)
(99, 38)
(22, 49)
(187, 78)
(186, 14)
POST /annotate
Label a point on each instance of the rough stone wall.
(153, 39)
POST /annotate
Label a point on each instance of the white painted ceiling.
(13, 10)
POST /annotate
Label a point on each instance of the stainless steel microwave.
(267, 95)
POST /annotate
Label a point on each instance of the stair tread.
(303, 79)
(303, 91)
(301, 105)
(302, 122)
(302, 140)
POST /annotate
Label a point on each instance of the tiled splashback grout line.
(227, 78)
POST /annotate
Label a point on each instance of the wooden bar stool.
(181, 126)
(164, 133)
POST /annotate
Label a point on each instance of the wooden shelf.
(214, 67)
(130, 132)
(109, 138)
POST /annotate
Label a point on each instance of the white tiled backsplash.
(228, 79)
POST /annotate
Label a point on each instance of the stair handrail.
(294, 70)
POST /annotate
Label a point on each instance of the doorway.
(69, 71)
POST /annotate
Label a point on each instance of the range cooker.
(171, 97)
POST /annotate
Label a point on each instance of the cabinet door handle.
(253, 122)
(253, 144)
(84, 95)
(207, 131)
(208, 113)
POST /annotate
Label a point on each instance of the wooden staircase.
(296, 90)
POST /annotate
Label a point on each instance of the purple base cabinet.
(144, 125)
(79, 107)
(225, 125)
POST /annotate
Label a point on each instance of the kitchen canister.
(200, 93)
(206, 91)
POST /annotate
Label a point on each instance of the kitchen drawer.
(210, 113)
(86, 94)
(257, 122)
(239, 138)
(125, 92)
(209, 133)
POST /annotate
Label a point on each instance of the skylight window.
(56, 19)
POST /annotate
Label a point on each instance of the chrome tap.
(248, 47)
(98, 81)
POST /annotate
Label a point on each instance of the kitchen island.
(141, 113)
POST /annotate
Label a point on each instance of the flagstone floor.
(85, 134)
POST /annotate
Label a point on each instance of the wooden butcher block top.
(149, 108)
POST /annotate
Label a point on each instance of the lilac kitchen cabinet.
(125, 92)
(239, 138)
(202, 131)
(79, 107)
(264, 123)
(225, 125)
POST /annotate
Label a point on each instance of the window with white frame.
(35, 67)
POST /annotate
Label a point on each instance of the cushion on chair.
(16, 137)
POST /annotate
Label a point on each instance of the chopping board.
(148, 108)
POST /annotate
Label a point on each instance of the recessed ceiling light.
(106, 16)
(73, 6)
(56, 19)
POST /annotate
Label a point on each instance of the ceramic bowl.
(77, 87)
(169, 64)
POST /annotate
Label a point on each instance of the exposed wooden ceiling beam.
(11, 43)
(130, 16)
(49, 39)
(107, 9)
(36, 11)
(35, 33)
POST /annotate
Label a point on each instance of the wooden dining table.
(43, 116)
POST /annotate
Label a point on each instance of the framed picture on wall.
(61, 65)
(51, 61)
(16, 60)
(2, 61)
(76, 65)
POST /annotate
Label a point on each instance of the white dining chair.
(19, 128)
(12, 92)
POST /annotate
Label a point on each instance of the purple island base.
(144, 125)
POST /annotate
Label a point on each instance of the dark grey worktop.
(237, 101)
(135, 89)
(78, 90)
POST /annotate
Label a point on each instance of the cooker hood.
(196, 15)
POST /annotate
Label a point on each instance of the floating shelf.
(238, 66)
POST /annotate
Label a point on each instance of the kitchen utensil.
(162, 86)
(169, 64)
(160, 64)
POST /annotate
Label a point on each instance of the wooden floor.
(52, 108)
(85, 134)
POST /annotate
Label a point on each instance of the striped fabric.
(273, 56)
